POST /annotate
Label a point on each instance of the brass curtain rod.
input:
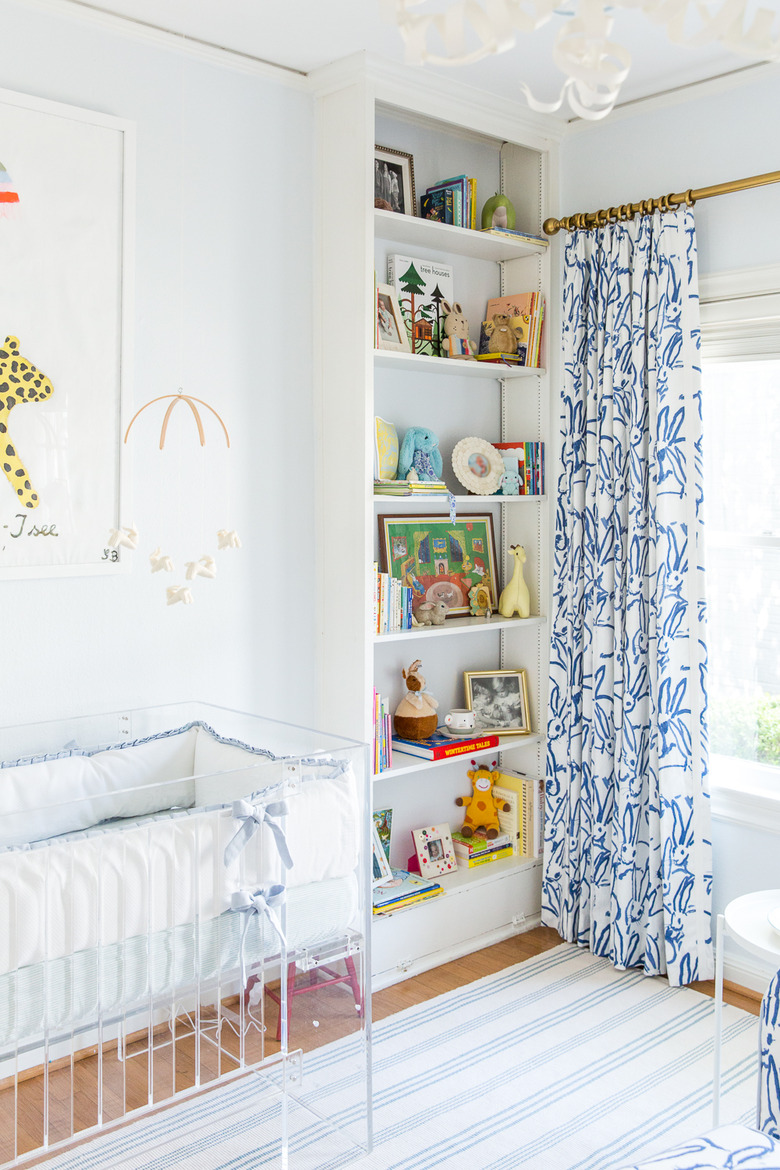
(588, 219)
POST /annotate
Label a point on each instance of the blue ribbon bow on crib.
(253, 816)
(264, 900)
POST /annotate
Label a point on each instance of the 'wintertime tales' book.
(422, 287)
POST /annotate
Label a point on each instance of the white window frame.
(740, 321)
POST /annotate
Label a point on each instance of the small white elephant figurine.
(515, 597)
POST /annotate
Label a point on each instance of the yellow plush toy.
(481, 808)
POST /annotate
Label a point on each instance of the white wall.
(710, 139)
(224, 228)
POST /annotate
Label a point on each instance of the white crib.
(154, 866)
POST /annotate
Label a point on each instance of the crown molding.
(421, 93)
(680, 95)
(739, 283)
(151, 34)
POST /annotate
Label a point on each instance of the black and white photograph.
(499, 700)
(394, 181)
(390, 327)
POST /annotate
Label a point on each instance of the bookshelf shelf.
(419, 363)
(464, 625)
(428, 502)
(427, 233)
(404, 765)
(468, 879)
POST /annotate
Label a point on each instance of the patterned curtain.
(627, 839)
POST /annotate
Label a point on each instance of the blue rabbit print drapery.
(627, 840)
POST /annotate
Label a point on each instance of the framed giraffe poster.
(66, 213)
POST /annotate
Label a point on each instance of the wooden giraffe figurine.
(515, 597)
(20, 382)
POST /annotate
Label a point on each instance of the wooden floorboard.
(317, 1018)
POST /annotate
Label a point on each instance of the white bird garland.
(180, 593)
(205, 567)
(228, 538)
(160, 560)
(123, 537)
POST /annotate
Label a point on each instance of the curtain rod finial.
(551, 226)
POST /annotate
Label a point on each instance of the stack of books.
(527, 459)
(392, 604)
(516, 234)
(441, 746)
(478, 850)
(383, 749)
(409, 487)
(526, 316)
(451, 201)
(404, 890)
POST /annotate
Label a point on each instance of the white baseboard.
(747, 973)
(422, 963)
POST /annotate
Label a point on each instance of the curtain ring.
(689, 198)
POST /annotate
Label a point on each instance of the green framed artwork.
(439, 560)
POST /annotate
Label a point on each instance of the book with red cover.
(442, 747)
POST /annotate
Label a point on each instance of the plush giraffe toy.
(20, 382)
(481, 808)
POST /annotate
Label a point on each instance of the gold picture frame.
(499, 700)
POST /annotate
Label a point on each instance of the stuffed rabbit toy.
(420, 457)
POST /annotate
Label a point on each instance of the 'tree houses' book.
(422, 287)
(441, 747)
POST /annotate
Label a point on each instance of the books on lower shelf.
(525, 821)
(392, 604)
(471, 852)
(441, 746)
(528, 461)
(383, 748)
(405, 889)
(410, 487)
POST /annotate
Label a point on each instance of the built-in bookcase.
(456, 400)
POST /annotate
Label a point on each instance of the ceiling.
(305, 34)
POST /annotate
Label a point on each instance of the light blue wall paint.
(694, 143)
(224, 228)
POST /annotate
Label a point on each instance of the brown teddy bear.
(481, 808)
(415, 716)
(501, 334)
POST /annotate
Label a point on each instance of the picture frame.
(394, 180)
(72, 172)
(439, 560)
(478, 465)
(499, 700)
(381, 871)
(434, 851)
(390, 327)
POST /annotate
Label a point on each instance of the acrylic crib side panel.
(146, 956)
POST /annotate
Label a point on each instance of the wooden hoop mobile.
(191, 403)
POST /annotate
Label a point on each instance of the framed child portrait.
(433, 847)
(390, 328)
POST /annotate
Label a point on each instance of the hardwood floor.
(317, 1018)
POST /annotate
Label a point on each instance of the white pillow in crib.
(63, 795)
(149, 777)
(213, 758)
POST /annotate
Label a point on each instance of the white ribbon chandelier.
(595, 67)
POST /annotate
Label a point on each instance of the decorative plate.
(478, 465)
(773, 918)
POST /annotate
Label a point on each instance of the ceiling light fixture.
(595, 66)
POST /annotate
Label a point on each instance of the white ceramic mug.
(459, 719)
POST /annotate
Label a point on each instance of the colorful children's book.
(385, 449)
(484, 858)
(403, 886)
(422, 287)
(440, 746)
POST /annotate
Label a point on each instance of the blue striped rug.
(557, 1063)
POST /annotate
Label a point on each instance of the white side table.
(745, 920)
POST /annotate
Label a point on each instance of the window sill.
(744, 793)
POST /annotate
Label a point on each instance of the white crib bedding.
(121, 977)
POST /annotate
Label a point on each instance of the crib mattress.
(65, 993)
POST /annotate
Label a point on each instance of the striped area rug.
(558, 1063)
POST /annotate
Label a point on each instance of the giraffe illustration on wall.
(20, 382)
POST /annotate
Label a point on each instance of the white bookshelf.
(456, 398)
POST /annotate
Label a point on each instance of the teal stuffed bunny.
(420, 454)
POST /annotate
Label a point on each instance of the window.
(741, 407)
